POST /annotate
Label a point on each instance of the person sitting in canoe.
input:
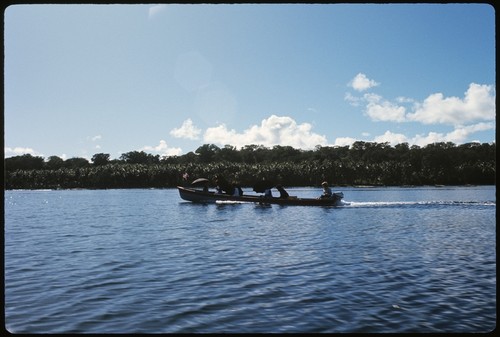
(237, 191)
(283, 193)
(264, 186)
(327, 191)
(268, 193)
(223, 186)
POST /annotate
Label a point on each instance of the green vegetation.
(363, 163)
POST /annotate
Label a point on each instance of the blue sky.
(166, 79)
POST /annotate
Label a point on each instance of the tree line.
(362, 163)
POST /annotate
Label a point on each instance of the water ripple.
(143, 262)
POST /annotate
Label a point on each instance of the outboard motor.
(338, 195)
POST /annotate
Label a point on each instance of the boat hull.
(197, 196)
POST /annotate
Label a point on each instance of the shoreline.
(249, 187)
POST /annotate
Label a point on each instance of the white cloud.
(19, 151)
(96, 138)
(353, 100)
(284, 131)
(431, 137)
(187, 130)
(391, 138)
(360, 82)
(458, 136)
(344, 141)
(477, 104)
(382, 110)
(388, 136)
(221, 135)
(274, 130)
(163, 149)
(155, 10)
(402, 99)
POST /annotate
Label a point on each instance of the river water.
(143, 261)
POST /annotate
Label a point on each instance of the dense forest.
(362, 163)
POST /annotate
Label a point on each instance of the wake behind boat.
(199, 196)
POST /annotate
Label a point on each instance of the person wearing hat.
(327, 191)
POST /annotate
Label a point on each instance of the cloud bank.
(272, 131)
(19, 151)
(458, 136)
(275, 130)
(474, 112)
(162, 149)
(285, 131)
(477, 105)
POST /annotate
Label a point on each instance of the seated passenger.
(327, 191)
(283, 193)
(237, 191)
(268, 193)
(222, 186)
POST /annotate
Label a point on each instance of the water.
(144, 261)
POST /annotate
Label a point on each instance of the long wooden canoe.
(198, 196)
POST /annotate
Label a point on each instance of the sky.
(166, 79)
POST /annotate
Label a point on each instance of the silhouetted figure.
(327, 191)
(283, 193)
